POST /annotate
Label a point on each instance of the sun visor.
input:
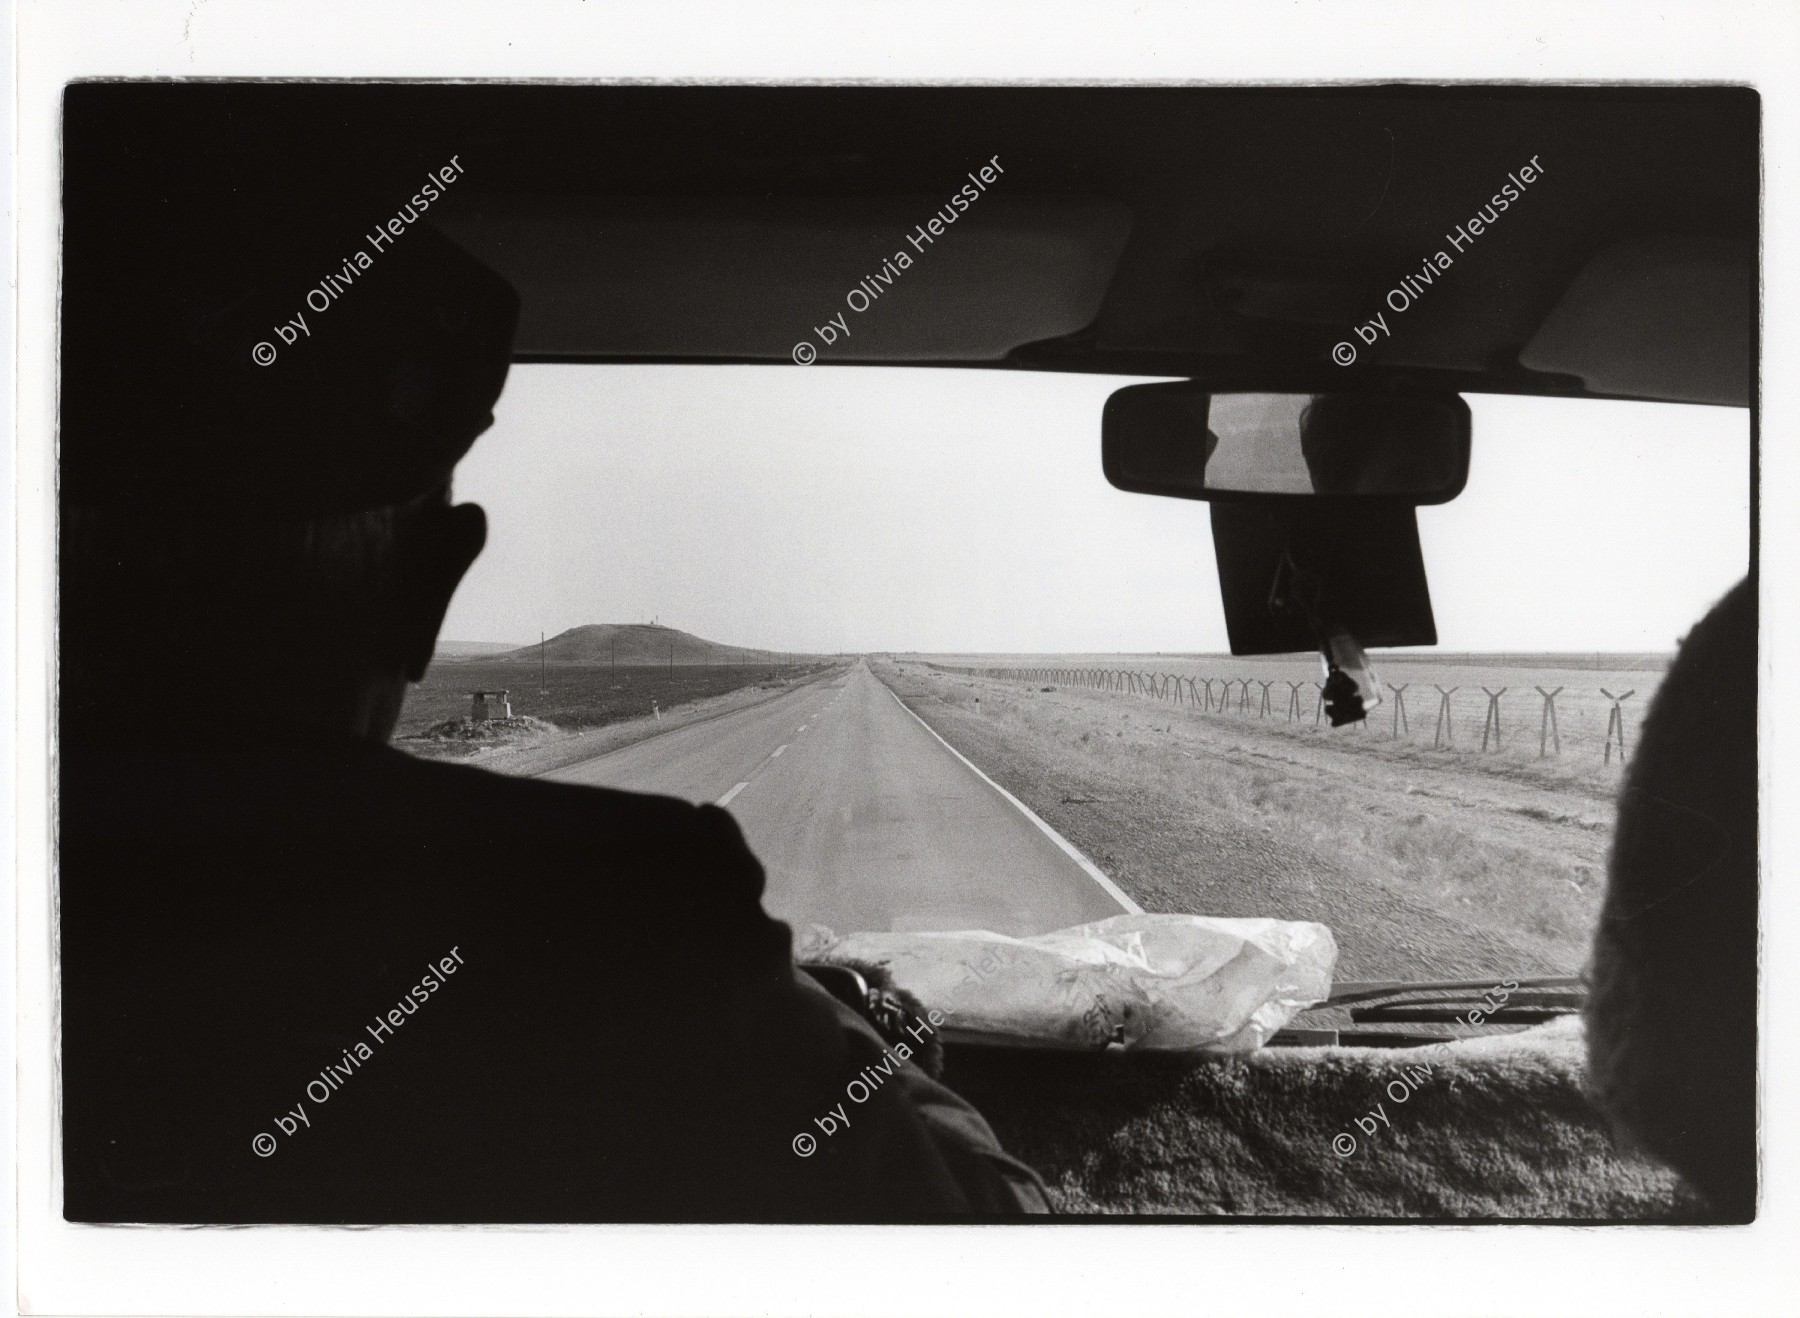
(1665, 318)
(859, 279)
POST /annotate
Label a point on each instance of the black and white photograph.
(928, 662)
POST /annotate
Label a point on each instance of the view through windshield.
(945, 677)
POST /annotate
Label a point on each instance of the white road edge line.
(1074, 853)
(726, 799)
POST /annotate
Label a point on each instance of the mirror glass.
(1178, 440)
(1253, 443)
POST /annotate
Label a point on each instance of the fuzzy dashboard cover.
(1483, 1128)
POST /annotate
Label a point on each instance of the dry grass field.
(579, 695)
(1425, 861)
(1408, 720)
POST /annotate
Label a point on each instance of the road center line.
(726, 799)
(777, 752)
(1069, 848)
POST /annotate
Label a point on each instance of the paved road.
(864, 819)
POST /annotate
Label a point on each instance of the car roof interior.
(1231, 235)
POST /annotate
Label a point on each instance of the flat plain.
(576, 695)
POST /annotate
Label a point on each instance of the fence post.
(1244, 696)
(1293, 710)
(1399, 708)
(1547, 729)
(1319, 708)
(1493, 717)
(1446, 728)
(1615, 723)
(1264, 710)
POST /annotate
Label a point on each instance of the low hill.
(636, 645)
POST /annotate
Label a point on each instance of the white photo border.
(65, 1268)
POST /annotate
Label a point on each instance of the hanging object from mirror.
(1351, 687)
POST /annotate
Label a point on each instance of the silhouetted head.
(261, 409)
(1365, 444)
(1671, 1018)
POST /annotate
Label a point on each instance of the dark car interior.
(1224, 238)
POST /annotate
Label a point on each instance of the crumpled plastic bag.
(1144, 982)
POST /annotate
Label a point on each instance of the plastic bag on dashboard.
(1179, 982)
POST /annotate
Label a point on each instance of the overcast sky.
(867, 508)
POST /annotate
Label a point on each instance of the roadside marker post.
(1615, 723)
(1445, 735)
(1493, 717)
(1547, 729)
(1400, 724)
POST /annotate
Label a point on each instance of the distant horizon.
(1398, 653)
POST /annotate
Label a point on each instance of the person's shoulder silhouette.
(306, 977)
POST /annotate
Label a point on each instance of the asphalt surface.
(864, 819)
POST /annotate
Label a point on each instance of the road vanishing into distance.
(864, 818)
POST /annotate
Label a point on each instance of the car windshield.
(946, 677)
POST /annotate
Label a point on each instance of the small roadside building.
(481, 710)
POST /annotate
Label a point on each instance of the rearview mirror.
(1179, 440)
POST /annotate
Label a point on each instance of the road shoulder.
(574, 748)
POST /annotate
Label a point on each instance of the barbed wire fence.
(1233, 700)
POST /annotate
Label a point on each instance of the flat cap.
(242, 347)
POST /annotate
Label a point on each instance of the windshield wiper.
(1444, 1003)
